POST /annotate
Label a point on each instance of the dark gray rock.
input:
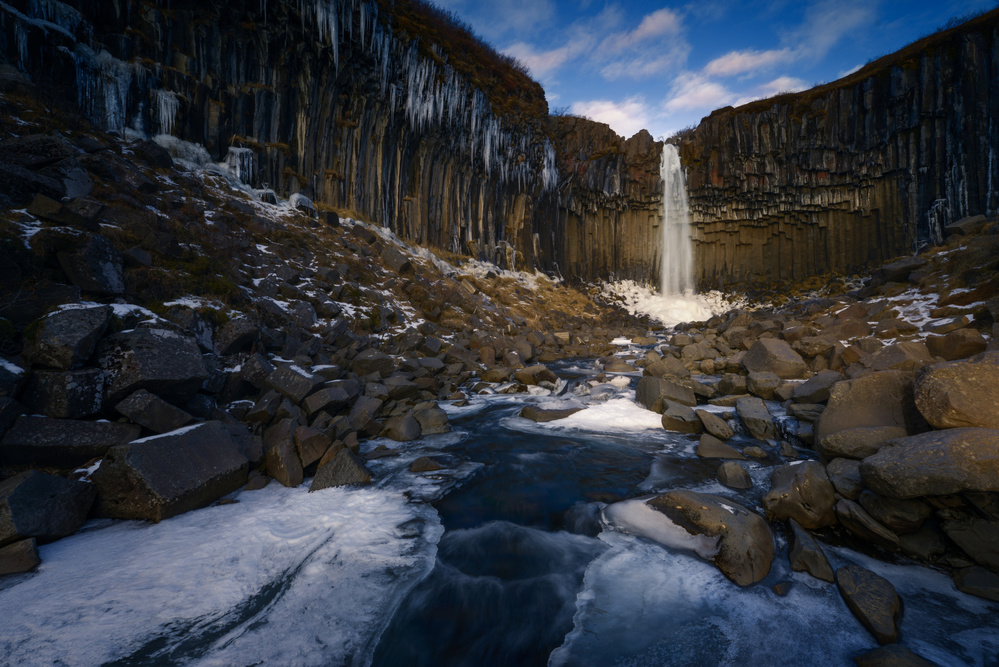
(396, 260)
(65, 394)
(872, 599)
(801, 491)
(95, 266)
(763, 384)
(897, 271)
(10, 410)
(62, 443)
(165, 475)
(845, 477)
(311, 444)
(425, 464)
(711, 447)
(977, 537)
(935, 464)
(754, 414)
(715, 425)
(537, 414)
(162, 361)
(236, 335)
(403, 428)
(853, 517)
(66, 339)
(152, 412)
(294, 382)
(733, 385)
(281, 454)
(978, 581)
(667, 366)
(19, 557)
(899, 516)
(536, 374)
(330, 399)
(432, 420)
(46, 507)
(373, 361)
(342, 470)
(192, 323)
(734, 476)
(255, 370)
(893, 655)
(400, 388)
(807, 556)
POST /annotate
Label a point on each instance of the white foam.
(282, 577)
(670, 310)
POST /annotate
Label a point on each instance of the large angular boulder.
(711, 447)
(19, 557)
(62, 443)
(680, 418)
(667, 366)
(763, 384)
(734, 476)
(745, 547)
(773, 355)
(66, 339)
(281, 453)
(165, 475)
(45, 507)
(714, 424)
(858, 443)
(236, 335)
(960, 393)
(652, 393)
(855, 519)
(937, 463)
(807, 556)
(801, 491)
(754, 414)
(959, 344)
(899, 516)
(152, 412)
(65, 394)
(872, 599)
(816, 389)
(330, 399)
(164, 362)
(95, 266)
(977, 537)
(342, 470)
(294, 382)
(373, 361)
(878, 399)
(434, 420)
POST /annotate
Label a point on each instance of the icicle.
(167, 105)
(240, 162)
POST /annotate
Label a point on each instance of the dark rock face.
(45, 507)
(154, 359)
(65, 395)
(801, 491)
(159, 477)
(66, 339)
(61, 442)
(807, 556)
(876, 400)
(152, 412)
(774, 356)
(872, 599)
(95, 266)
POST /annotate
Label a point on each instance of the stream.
(500, 558)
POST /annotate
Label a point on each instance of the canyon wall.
(853, 172)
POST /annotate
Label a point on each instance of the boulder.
(396, 260)
(744, 544)
(978, 581)
(294, 382)
(816, 388)
(859, 443)
(905, 356)
(763, 384)
(330, 399)
(94, 265)
(373, 361)
(65, 394)
(678, 417)
(533, 375)
(937, 463)
(19, 557)
(165, 475)
(960, 393)
(774, 356)
(433, 420)
(652, 393)
(310, 444)
(62, 443)
(845, 477)
(425, 464)
(959, 344)
(977, 537)
(711, 447)
(42, 506)
(539, 414)
(714, 424)
(734, 476)
(801, 491)
(66, 338)
(878, 399)
(898, 516)
(152, 412)
(893, 655)
(667, 366)
(897, 271)
(807, 556)
(732, 385)
(236, 335)
(853, 517)
(872, 599)
(162, 361)
(281, 453)
(754, 414)
(341, 470)
(400, 388)
(402, 429)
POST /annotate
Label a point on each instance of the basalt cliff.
(389, 112)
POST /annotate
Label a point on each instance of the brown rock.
(845, 477)
(899, 516)
(344, 469)
(878, 399)
(763, 384)
(872, 599)
(807, 556)
(960, 393)
(425, 464)
(775, 356)
(714, 424)
(734, 476)
(711, 447)
(861, 524)
(959, 344)
(536, 414)
(754, 414)
(653, 393)
(801, 491)
(19, 557)
(677, 417)
(859, 443)
(893, 655)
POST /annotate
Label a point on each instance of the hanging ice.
(677, 266)
(167, 106)
(240, 162)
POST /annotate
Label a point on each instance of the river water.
(498, 559)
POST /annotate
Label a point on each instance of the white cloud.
(739, 62)
(848, 72)
(782, 84)
(827, 22)
(626, 117)
(657, 45)
(694, 91)
(542, 63)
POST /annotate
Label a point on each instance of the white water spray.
(677, 276)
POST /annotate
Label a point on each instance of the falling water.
(677, 272)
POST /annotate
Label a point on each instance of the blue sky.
(663, 66)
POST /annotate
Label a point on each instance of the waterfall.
(677, 267)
